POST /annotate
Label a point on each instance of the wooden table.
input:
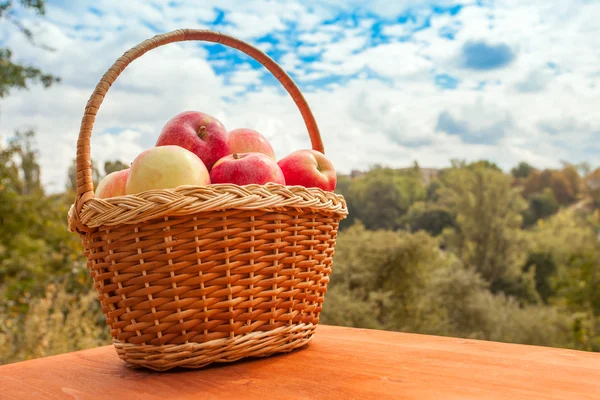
(340, 363)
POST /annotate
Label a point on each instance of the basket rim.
(186, 200)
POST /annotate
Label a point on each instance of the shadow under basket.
(201, 274)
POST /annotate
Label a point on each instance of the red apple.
(308, 168)
(166, 167)
(245, 140)
(200, 133)
(112, 184)
(245, 169)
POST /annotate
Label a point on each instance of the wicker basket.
(201, 274)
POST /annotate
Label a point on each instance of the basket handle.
(85, 186)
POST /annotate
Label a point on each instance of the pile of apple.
(194, 148)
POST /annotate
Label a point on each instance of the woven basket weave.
(200, 274)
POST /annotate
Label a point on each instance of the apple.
(112, 184)
(200, 133)
(245, 169)
(166, 167)
(246, 140)
(308, 168)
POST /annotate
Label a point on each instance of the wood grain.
(340, 363)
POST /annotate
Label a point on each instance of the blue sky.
(390, 82)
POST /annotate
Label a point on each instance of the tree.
(19, 169)
(484, 164)
(379, 277)
(593, 185)
(566, 184)
(35, 246)
(565, 253)
(402, 281)
(541, 205)
(429, 217)
(577, 287)
(431, 190)
(382, 196)
(14, 75)
(576, 185)
(488, 217)
(114, 166)
(523, 170)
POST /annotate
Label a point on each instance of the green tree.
(484, 164)
(35, 246)
(488, 215)
(14, 75)
(379, 276)
(541, 205)
(459, 303)
(402, 281)
(382, 196)
(543, 267)
(432, 188)
(429, 217)
(114, 166)
(577, 287)
(523, 170)
(567, 268)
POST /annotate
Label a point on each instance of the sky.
(389, 82)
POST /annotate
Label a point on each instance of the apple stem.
(235, 156)
(202, 132)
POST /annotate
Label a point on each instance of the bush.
(56, 323)
(428, 217)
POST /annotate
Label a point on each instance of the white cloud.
(246, 76)
(317, 37)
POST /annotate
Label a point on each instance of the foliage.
(58, 322)
(35, 246)
(566, 184)
(541, 205)
(570, 270)
(12, 74)
(381, 197)
(484, 164)
(593, 185)
(429, 217)
(114, 166)
(402, 281)
(523, 170)
(488, 219)
(431, 190)
(378, 276)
